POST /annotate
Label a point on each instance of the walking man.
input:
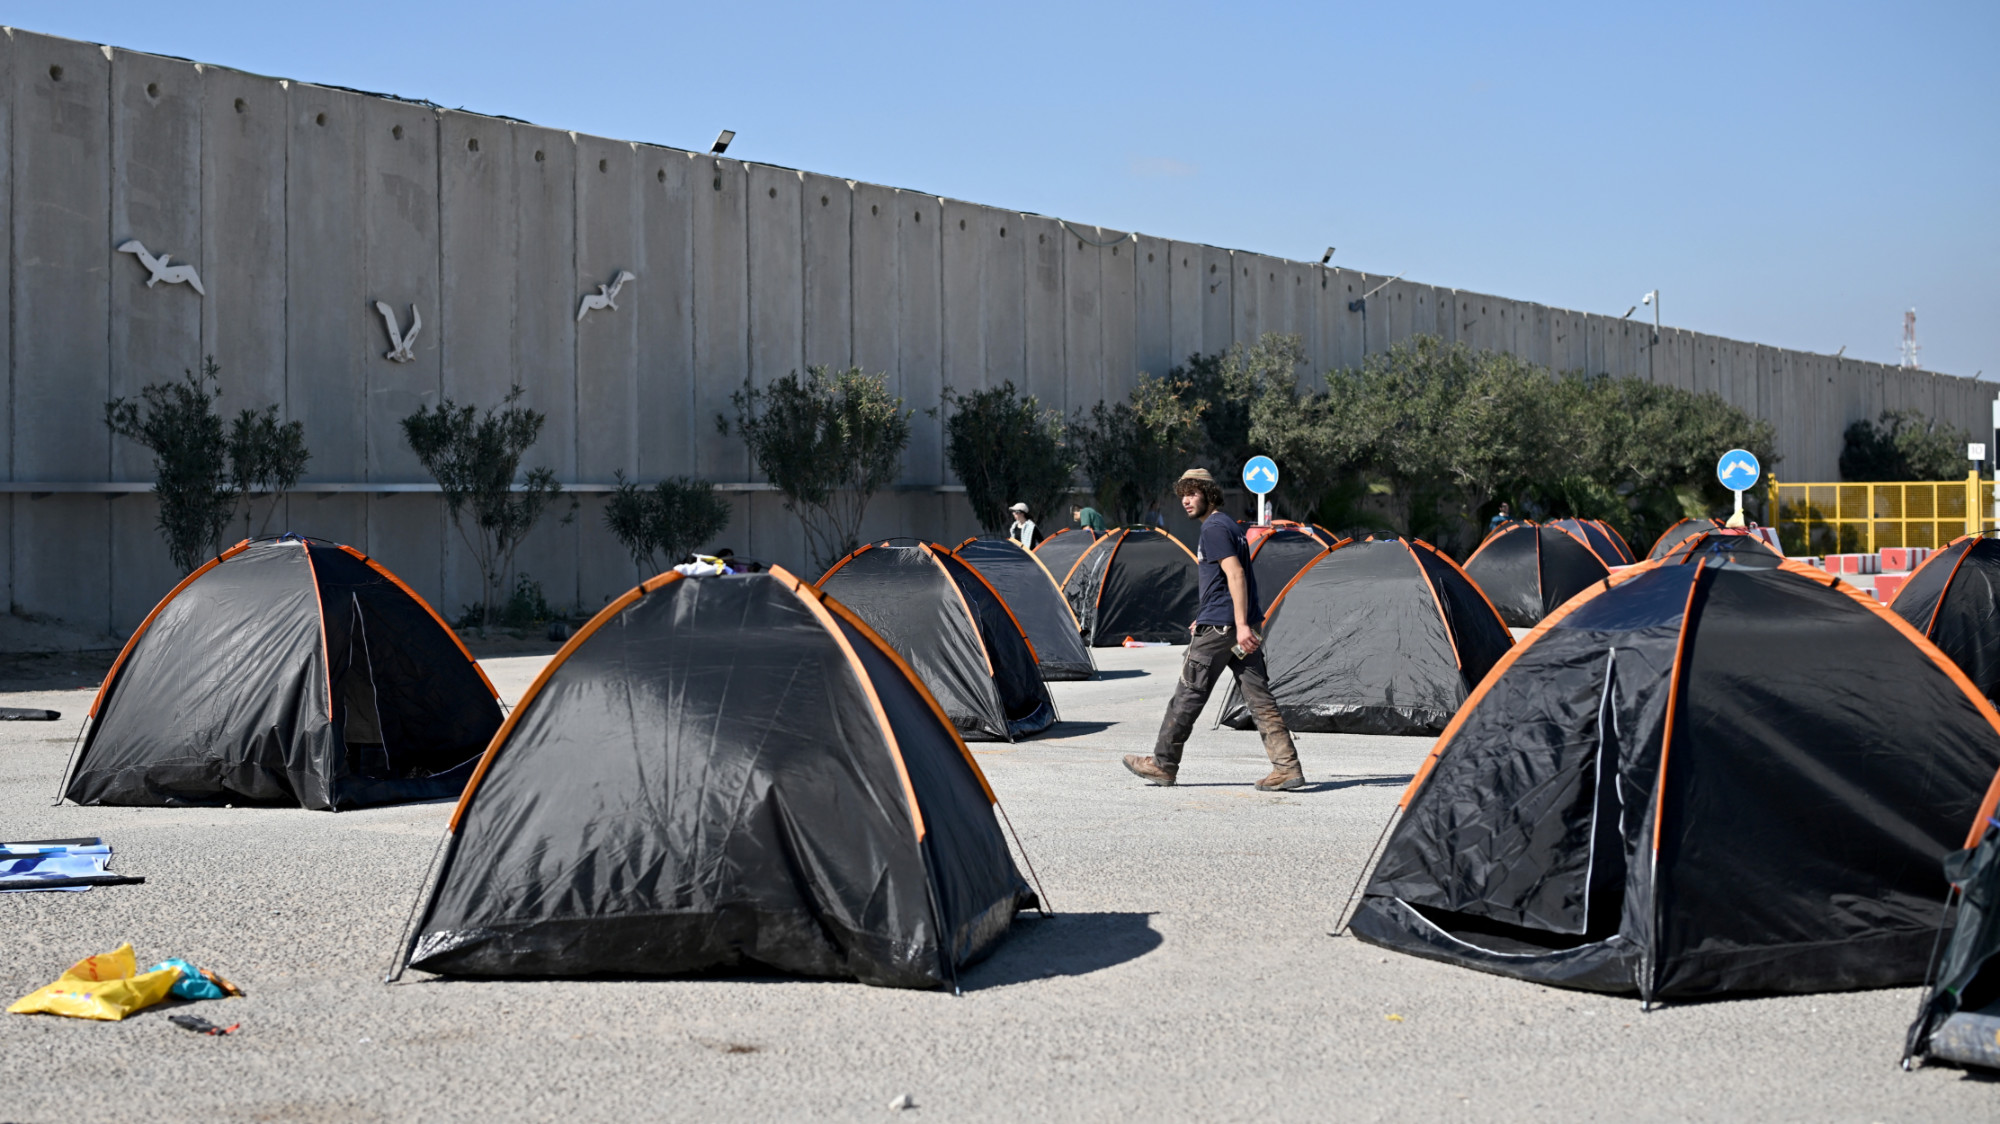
(1224, 626)
(1023, 530)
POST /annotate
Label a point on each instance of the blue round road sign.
(1738, 470)
(1260, 474)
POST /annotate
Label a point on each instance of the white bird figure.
(606, 296)
(400, 344)
(160, 270)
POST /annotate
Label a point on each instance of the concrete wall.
(302, 206)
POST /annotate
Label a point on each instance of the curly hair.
(1211, 493)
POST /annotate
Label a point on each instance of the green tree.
(829, 442)
(177, 421)
(475, 457)
(668, 520)
(201, 470)
(1227, 388)
(1007, 449)
(1903, 445)
(266, 458)
(1132, 451)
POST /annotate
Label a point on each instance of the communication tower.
(1910, 344)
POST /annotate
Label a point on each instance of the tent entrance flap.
(360, 710)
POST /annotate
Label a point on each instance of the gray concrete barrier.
(302, 206)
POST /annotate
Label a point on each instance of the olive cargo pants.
(1208, 654)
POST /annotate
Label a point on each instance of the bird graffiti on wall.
(606, 296)
(400, 344)
(160, 270)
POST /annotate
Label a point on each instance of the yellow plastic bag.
(108, 986)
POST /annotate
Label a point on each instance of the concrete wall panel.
(664, 308)
(1246, 308)
(1045, 338)
(877, 271)
(477, 211)
(721, 312)
(609, 242)
(1152, 260)
(1218, 298)
(543, 166)
(400, 250)
(829, 262)
(1118, 280)
(962, 284)
(334, 333)
(777, 273)
(61, 319)
(243, 143)
(1346, 288)
(920, 355)
(155, 199)
(1186, 287)
(1083, 315)
(1005, 297)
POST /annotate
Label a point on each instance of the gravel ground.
(1189, 974)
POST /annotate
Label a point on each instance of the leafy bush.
(199, 471)
(474, 458)
(1903, 445)
(1133, 451)
(526, 607)
(1007, 450)
(266, 457)
(1426, 438)
(829, 442)
(666, 521)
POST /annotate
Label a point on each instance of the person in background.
(1154, 518)
(1224, 636)
(1023, 530)
(1502, 516)
(1087, 516)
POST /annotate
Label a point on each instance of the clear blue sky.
(1795, 174)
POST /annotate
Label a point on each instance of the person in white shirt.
(1023, 530)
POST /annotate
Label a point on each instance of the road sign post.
(1739, 471)
(1260, 475)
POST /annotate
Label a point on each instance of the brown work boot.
(1148, 769)
(1281, 779)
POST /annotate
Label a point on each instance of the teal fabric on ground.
(192, 984)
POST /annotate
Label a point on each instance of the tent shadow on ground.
(1122, 672)
(1072, 728)
(1063, 944)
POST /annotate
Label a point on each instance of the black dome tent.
(1060, 551)
(289, 670)
(943, 617)
(1037, 603)
(1279, 556)
(1739, 547)
(1607, 544)
(1680, 530)
(717, 772)
(1527, 570)
(1669, 789)
(1381, 636)
(1134, 582)
(1954, 600)
(1960, 1018)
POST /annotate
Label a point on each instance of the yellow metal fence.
(1862, 518)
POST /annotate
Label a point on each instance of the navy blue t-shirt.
(1221, 538)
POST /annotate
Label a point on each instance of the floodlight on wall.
(1326, 257)
(722, 140)
(1629, 312)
